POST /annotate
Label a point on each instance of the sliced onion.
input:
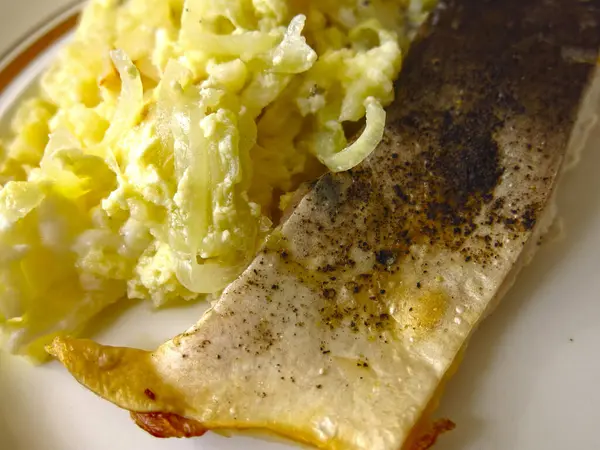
(246, 45)
(130, 100)
(205, 278)
(360, 149)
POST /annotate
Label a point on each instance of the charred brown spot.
(430, 437)
(151, 395)
(166, 425)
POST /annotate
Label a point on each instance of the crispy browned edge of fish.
(422, 437)
(166, 425)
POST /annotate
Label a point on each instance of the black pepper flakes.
(329, 293)
(385, 257)
(400, 193)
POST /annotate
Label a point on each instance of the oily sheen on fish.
(342, 331)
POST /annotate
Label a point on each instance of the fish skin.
(342, 329)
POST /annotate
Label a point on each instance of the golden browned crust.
(165, 425)
(428, 439)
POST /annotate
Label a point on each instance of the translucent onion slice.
(360, 149)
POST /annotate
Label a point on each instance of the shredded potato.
(167, 135)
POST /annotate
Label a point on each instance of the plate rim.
(26, 47)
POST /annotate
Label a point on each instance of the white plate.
(530, 379)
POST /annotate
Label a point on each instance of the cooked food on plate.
(342, 331)
(168, 137)
(239, 151)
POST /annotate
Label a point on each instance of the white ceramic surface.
(530, 379)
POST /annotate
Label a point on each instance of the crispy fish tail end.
(127, 377)
(104, 369)
(99, 367)
(130, 379)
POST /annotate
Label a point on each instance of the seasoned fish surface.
(344, 327)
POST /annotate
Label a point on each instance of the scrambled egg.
(153, 163)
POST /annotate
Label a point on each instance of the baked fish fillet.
(342, 330)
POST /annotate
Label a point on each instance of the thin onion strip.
(360, 149)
